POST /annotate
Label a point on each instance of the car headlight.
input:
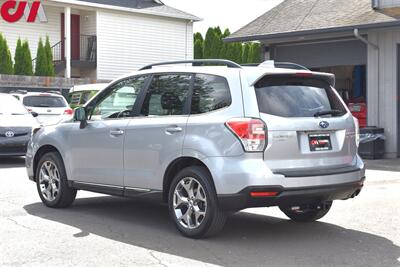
(35, 129)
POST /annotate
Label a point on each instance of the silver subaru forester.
(207, 140)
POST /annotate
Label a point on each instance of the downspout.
(365, 41)
(375, 47)
(186, 39)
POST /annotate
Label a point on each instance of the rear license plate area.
(320, 142)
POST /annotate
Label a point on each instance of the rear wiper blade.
(328, 112)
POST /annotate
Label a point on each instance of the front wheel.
(51, 181)
(308, 213)
(192, 203)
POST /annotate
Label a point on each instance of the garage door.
(323, 54)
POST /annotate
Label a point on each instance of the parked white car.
(51, 108)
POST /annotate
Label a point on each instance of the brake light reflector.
(69, 112)
(263, 194)
(251, 133)
(304, 74)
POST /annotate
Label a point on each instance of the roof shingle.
(293, 16)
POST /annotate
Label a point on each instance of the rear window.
(44, 101)
(296, 97)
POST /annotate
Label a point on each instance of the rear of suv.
(207, 140)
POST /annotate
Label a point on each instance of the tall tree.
(27, 59)
(198, 49)
(255, 53)
(245, 53)
(225, 46)
(198, 36)
(18, 59)
(209, 44)
(41, 67)
(237, 52)
(226, 33)
(6, 64)
(49, 58)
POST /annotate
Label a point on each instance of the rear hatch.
(51, 109)
(309, 127)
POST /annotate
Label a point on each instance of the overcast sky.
(232, 14)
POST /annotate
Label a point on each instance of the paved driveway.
(108, 231)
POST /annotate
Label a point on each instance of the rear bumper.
(289, 196)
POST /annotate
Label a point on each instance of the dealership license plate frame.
(320, 142)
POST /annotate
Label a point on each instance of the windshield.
(9, 105)
(297, 97)
(44, 101)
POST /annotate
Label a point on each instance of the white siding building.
(105, 39)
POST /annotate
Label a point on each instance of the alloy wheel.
(49, 180)
(189, 203)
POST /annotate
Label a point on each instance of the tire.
(51, 182)
(203, 199)
(312, 214)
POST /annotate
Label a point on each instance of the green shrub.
(27, 68)
(6, 63)
(198, 49)
(41, 67)
(49, 58)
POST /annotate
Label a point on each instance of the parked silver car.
(207, 140)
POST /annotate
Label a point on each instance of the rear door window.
(167, 95)
(44, 101)
(210, 93)
(296, 97)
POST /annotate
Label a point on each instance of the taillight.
(251, 133)
(357, 130)
(69, 112)
(264, 194)
(304, 74)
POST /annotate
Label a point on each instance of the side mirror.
(80, 115)
(34, 114)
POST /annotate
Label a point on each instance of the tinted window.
(210, 93)
(166, 95)
(44, 101)
(120, 100)
(296, 97)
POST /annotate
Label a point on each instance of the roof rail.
(52, 92)
(18, 91)
(196, 62)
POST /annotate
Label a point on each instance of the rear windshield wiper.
(328, 112)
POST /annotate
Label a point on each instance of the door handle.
(173, 129)
(116, 132)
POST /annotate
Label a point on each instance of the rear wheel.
(51, 181)
(307, 213)
(193, 204)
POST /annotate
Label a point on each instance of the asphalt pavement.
(101, 230)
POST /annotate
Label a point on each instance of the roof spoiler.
(280, 65)
(326, 77)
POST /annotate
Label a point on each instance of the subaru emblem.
(324, 124)
(9, 134)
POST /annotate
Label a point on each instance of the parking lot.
(108, 231)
